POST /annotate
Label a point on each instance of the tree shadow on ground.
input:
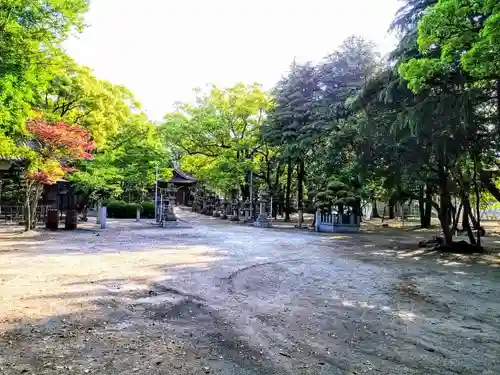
(135, 325)
(412, 252)
(153, 329)
(313, 315)
(400, 246)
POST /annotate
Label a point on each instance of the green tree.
(220, 136)
(126, 164)
(30, 31)
(288, 124)
(75, 95)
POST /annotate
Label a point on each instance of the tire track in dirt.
(228, 281)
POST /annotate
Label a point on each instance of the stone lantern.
(223, 209)
(217, 208)
(263, 221)
(168, 210)
(246, 210)
(235, 210)
(196, 206)
(211, 204)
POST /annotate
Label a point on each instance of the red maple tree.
(62, 139)
(56, 146)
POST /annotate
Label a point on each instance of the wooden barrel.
(71, 219)
(52, 222)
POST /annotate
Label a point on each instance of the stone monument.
(262, 221)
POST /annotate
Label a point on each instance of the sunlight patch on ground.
(366, 305)
(158, 300)
(451, 263)
(383, 252)
(407, 254)
(406, 315)
(55, 282)
(348, 303)
(495, 259)
(198, 265)
(260, 258)
(336, 237)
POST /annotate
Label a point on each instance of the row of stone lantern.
(235, 210)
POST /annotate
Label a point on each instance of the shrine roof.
(179, 177)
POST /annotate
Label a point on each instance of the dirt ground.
(215, 297)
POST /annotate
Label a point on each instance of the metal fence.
(14, 215)
(410, 211)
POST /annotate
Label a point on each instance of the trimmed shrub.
(122, 210)
(148, 210)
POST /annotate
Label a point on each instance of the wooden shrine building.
(184, 183)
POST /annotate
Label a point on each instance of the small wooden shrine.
(184, 184)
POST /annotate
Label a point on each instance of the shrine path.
(222, 298)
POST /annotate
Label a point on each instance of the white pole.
(98, 219)
(156, 191)
(251, 195)
(103, 215)
(161, 207)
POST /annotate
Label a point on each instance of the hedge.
(148, 209)
(123, 210)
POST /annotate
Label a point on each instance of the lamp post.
(156, 193)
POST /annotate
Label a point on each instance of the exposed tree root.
(459, 247)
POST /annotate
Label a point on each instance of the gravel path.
(222, 298)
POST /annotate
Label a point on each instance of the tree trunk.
(428, 207)
(477, 226)
(277, 189)
(288, 188)
(469, 210)
(391, 209)
(445, 199)
(375, 213)
(281, 202)
(27, 205)
(33, 193)
(421, 206)
(465, 220)
(456, 217)
(498, 105)
(300, 186)
(425, 206)
(27, 217)
(245, 191)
